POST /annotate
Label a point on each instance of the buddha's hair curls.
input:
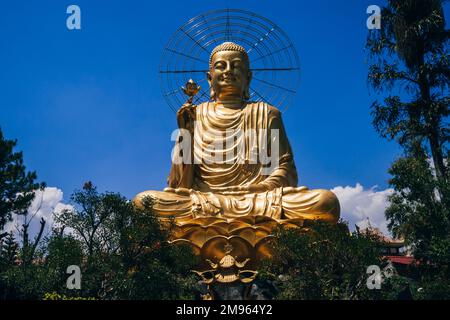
(228, 46)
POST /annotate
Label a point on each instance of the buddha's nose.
(227, 69)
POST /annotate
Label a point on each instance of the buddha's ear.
(212, 94)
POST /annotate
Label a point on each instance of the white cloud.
(358, 206)
(45, 203)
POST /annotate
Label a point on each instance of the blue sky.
(86, 104)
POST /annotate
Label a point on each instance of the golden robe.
(227, 160)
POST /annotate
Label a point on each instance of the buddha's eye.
(219, 66)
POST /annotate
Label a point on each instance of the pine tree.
(16, 185)
(9, 248)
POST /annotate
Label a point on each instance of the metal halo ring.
(274, 61)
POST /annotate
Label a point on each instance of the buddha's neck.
(230, 104)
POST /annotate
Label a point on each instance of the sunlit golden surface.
(227, 210)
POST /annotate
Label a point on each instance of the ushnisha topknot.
(227, 46)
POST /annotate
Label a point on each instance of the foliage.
(16, 185)
(57, 296)
(122, 251)
(411, 52)
(410, 63)
(8, 250)
(323, 262)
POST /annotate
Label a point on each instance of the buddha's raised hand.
(186, 116)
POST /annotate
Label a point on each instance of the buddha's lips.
(228, 79)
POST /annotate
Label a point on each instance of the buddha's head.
(229, 73)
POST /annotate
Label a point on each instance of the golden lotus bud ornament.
(191, 89)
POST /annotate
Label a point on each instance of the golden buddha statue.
(233, 158)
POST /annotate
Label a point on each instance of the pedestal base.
(230, 251)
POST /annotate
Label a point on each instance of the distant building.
(395, 251)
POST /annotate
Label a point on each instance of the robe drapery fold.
(232, 147)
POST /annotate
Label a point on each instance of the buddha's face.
(229, 75)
